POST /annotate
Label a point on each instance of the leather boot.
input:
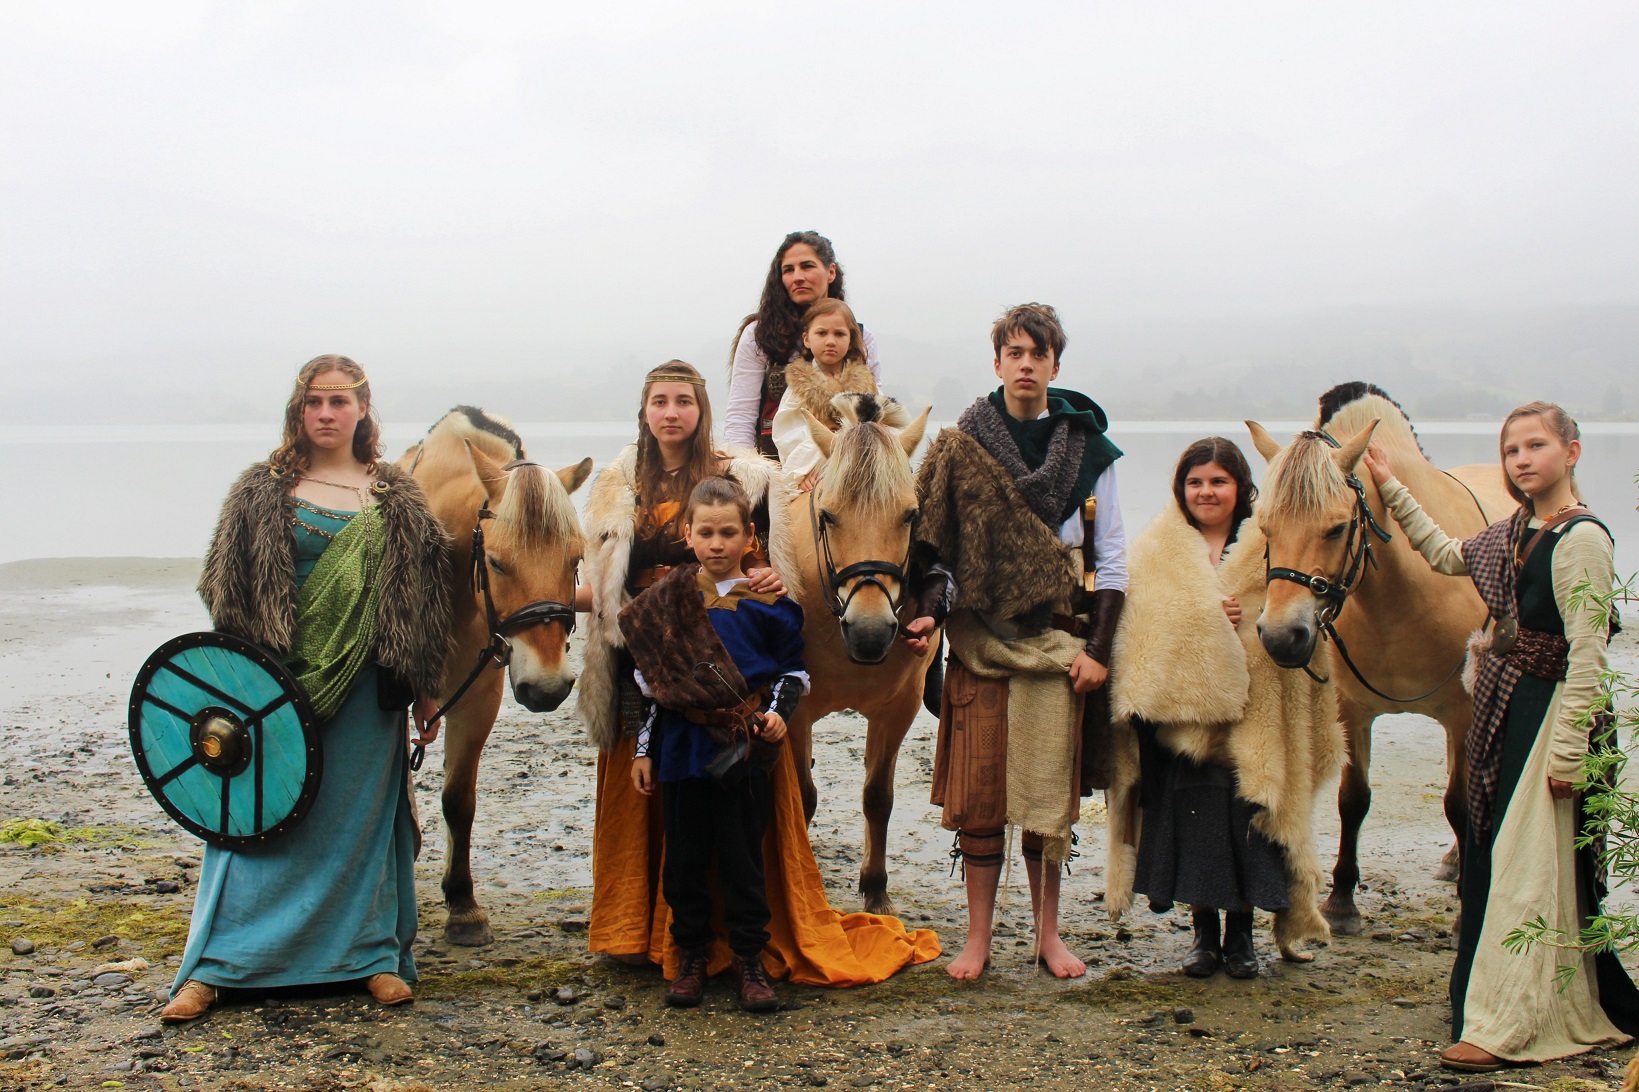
(1240, 960)
(690, 984)
(751, 980)
(1206, 955)
(191, 1001)
(388, 989)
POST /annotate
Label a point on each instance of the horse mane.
(867, 465)
(1357, 402)
(535, 510)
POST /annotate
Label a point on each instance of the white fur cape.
(610, 522)
(1178, 663)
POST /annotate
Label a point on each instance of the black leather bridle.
(1357, 557)
(498, 651)
(834, 583)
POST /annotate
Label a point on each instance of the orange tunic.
(809, 941)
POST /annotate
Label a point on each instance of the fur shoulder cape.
(813, 389)
(248, 581)
(1284, 744)
(1006, 561)
(611, 524)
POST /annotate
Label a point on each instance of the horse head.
(1313, 516)
(531, 550)
(863, 513)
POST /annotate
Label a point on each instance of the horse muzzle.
(1289, 645)
(542, 697)
(869, 640)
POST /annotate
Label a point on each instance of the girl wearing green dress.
(331, 559)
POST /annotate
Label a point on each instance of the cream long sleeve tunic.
(1584, 555)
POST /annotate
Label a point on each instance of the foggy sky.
(508, 197)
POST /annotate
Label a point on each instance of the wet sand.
(116, 887)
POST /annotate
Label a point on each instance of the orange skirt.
(809, 942)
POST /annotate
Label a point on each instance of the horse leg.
(1456, 798)
(800, 735)
(468, 730)
(885, 733)
(1354, 800)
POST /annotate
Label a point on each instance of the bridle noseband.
(1357, 556)
(498, 651)
(862, 573)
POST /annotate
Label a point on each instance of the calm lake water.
(145, 491)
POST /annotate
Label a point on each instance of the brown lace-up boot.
(751, 980)
(690, 984)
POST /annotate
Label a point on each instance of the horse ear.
(573, 477)
(912, 434)
(1355, 446)
(1265, 443)
(490, 474)
(824, 438)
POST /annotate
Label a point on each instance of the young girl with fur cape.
(631, 526)
(1217, 753)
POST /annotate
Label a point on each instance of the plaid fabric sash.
(1489, 556)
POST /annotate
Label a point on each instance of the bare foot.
(972, 961)
(1468, 1058)
(1058, 958)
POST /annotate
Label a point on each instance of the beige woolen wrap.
(1043, 723)
(1218, 698)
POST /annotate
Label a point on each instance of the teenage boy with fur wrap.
(1008, 525)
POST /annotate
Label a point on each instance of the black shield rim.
(270, 663)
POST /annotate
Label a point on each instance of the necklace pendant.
(1504, 635)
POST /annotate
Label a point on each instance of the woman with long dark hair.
(804, 270)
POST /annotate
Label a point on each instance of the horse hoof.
(1344, 923)
(469, 934)
(1448, 872)
(879, 903)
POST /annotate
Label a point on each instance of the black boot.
(1240, 961)
(1205, 956)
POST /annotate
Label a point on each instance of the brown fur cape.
(611, 523)
(1220, 699)
(669, 633)
(1006, 561)
(248, 581)
(813, 389)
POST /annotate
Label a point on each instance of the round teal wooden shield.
(225, 739)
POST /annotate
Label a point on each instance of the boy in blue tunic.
(719, 665)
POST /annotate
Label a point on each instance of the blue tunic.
(333, 899)
(763, 635)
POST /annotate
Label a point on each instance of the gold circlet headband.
(673, 377)
(337, 386)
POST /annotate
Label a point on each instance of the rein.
(1357, 556)
(862, 573)
(498, 652)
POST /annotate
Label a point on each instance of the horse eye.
(827, 519)
(495, 566)
(910, 517)
(1337, 531)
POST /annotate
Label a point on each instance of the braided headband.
(673, 377)
(337, 386)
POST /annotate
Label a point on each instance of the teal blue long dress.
(334, 899)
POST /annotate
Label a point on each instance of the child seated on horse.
(720, 667)
(833, 362)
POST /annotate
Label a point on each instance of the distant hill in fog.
(1440, 363)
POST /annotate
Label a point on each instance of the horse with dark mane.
(1397, 632)
(512, 585)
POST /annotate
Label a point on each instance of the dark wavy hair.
(703, 457)
(294, 450)
(1216, 449)
(779, 321)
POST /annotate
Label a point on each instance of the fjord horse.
(1404, 626)
(841, 551)
(475, 474)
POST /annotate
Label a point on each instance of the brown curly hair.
(779, 321)
(291, 456)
